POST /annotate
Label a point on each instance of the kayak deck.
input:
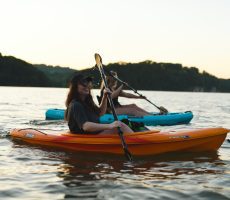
(139, 144)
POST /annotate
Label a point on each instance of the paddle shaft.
(135, 91)
(124, 145)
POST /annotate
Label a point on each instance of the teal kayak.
(149, 120)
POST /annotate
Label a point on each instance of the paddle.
(120, 133)
(161, 108)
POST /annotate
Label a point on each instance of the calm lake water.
(30, 172)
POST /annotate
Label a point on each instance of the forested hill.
(147, 75)
(16, 72)
(58, 76)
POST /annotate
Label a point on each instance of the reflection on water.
(82, 176)
(33, 172)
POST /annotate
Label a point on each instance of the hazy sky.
(69, 32)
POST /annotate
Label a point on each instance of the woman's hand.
(142, 97)
(103, 104)
(116, 124)
(106, 91)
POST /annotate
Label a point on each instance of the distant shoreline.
(1, 86)
(147, 75)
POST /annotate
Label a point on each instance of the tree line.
(149, 75)
(146, 75)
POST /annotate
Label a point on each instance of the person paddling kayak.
(128, 109)
(82, 114)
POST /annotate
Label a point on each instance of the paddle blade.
(163, 110)
(98, 60)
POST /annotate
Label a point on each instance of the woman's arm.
(103, 104)
(117, 92)
(91, 126)
(129, 95)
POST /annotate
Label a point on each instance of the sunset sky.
(69, 32)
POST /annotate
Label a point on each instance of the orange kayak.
(139, 144)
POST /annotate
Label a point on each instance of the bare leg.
(138, 108)
(129, 110)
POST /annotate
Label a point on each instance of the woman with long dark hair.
(82, 114)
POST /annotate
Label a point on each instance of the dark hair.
(88, 103)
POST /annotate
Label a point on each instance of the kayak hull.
(139, 144)
(149, 120)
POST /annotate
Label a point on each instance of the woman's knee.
(126, 128)
(134, 106)
(123, 125)
(133, 111)
(131, 105)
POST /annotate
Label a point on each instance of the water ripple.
(33, 172)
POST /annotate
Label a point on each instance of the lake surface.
(30, 172)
